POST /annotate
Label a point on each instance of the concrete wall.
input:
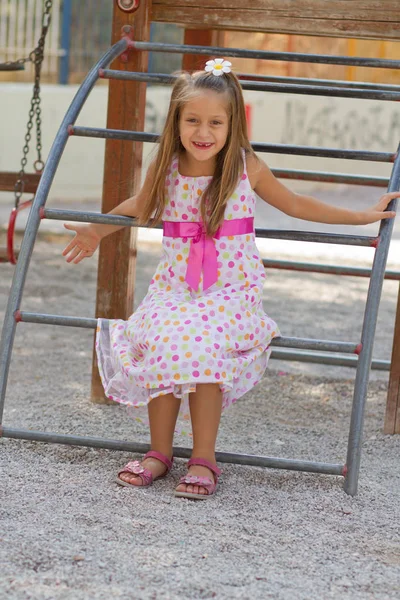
(279, 118)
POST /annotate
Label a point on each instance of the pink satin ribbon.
(203, 253)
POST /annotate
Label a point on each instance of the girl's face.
(203, 125)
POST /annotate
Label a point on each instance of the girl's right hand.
(83, 245)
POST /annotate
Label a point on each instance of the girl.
(200, 339)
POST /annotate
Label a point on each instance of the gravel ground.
(69, 532)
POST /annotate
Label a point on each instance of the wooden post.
(392, 417)
(200, 37)
(122, 170)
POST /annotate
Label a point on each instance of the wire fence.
(20, 27)
(79, 33)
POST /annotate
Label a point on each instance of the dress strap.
(244, 161)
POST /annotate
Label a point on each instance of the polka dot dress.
(179, 337)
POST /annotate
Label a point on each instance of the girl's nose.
(203, 130)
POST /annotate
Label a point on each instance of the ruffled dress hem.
(119, 388)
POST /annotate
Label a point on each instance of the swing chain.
(36, 57)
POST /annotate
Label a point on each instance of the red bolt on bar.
(376, 241)
(345, 469)
(358, 349)
(128, 6)
(17, 316)
(127, 34)
(41, 212)
(70, 130)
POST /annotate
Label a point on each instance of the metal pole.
(279, 234)
(261, 86)
(367, 341)
(17, 286)
(65, 41)
(122, 134)
(227, 457)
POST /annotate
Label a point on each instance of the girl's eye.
(191, 120)
(216, 123)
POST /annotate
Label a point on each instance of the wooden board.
(8, 179)
(339, 18)
(122, 173)
(392, 417)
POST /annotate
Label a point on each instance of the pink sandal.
(145, 475)
(205, 482)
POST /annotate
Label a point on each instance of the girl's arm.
(88, 236)
(308, 208)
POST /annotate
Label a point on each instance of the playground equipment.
(23, 182)
(131, 48)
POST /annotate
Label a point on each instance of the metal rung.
(284, 342)
(89, 217)
(329, 269)
(179, 452)
(310, 344)
(327, 59)
(322, 238)
(277, 353)
(43, 319)
(279, 234)
(362, 85)
(330, 177)
(262, 86)
(326, 359)
(121, 134)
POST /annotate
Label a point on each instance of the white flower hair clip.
(218, 66)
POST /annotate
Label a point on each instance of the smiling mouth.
(202, 145)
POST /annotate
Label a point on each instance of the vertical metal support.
(367, 341)
(122, 171)
(392, 416)
(32, 226)
(65, 41)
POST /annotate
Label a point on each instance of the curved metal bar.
(367, 339)
(8, 332)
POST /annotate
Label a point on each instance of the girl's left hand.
(377, 212)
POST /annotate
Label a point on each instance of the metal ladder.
(350, 470)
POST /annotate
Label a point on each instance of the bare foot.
(156, 467)
(196, 489)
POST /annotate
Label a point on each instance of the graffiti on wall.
(376, 127)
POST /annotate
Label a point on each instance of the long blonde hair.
(229, 161)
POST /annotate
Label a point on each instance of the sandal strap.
(161, 457)
(136, 468)
(202, 462)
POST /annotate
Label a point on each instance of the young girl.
(200, 339)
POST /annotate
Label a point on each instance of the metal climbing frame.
(350, 470)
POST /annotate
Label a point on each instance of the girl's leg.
(163, 412)
(205, 412)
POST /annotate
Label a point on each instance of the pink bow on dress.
(203, 253)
